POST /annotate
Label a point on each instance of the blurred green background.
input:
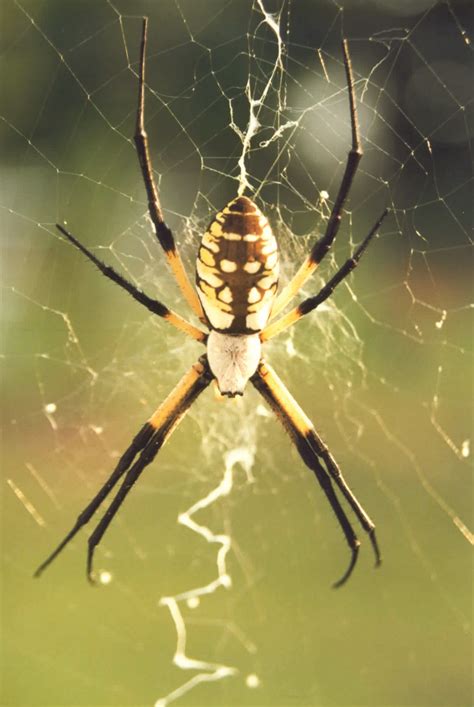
(384, 370)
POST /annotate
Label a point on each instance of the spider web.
(218, 568)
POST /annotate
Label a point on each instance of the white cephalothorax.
(233, 360)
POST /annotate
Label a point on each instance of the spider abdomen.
(237, 269)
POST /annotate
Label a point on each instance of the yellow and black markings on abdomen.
(237, 269)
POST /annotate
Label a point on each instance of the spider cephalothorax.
(236, 278)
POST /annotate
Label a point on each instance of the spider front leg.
(311, 449)
(322, 246)
(138, 443)
(146, 444)
(163, 232)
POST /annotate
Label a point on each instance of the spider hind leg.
(162, 231)
(323, 245)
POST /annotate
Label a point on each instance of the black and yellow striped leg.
(151, 304)
(367, 524)
(311, 449)
(163, 232)
(311, 303)
(146, 444)
(139, 442)
(322, 246)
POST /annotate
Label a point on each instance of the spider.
(235, 298)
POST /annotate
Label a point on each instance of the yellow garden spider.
(235, 298)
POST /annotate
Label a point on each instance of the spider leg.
(311, 449)
(364, 519)
(163, 232)
(125, 461)
(147, 444)
(312, 302)
(322, 246)
(146, 457)
(151, 304)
